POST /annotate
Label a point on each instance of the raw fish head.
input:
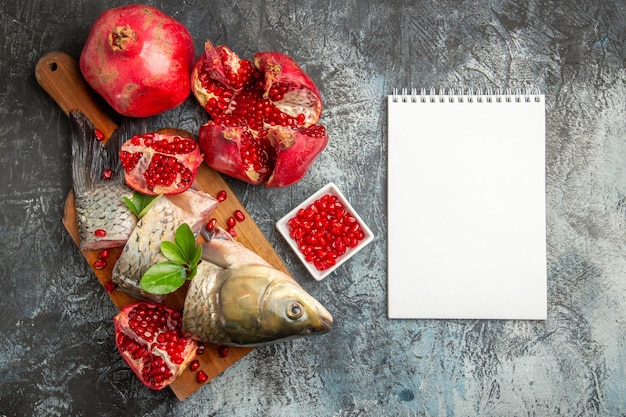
(237, 298)
(261, 304)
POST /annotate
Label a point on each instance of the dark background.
(57, 353)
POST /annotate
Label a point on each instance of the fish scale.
(100, 209)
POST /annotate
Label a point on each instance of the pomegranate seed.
(324, 231)
(221, 196)
(100, 233)
(99, 135)
(104, 253)
(223, 351)
(194, 365)
(107, 174)
(211, 224)
(110, 287)
(202, 377)
(200, 349)
(100, 264)
(232, 231)
(156, 328)
(239, 216)
(231, 222)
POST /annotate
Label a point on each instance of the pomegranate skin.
(295, 152)
(139, 60)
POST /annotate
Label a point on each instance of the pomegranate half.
(150, 340)
(160, 163)
(263, 116)
(139, 60)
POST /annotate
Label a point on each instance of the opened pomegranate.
(160, 163)
(149, 339)
(139, 60)
(263, 116)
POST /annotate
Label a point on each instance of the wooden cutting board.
(59, 75)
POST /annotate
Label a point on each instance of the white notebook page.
(466, 207)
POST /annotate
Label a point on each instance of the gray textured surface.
(57, 356)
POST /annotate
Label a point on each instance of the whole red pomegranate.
(263, 116)
(160, 163)
(150, 340)
(139, 60)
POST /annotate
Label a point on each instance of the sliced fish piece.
(103, 219)
(143, 248)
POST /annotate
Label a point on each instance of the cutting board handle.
(59, 74)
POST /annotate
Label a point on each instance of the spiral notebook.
(466, 206)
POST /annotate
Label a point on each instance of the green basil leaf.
(131, 206)
(147, 201)
(197, 256)
(163, 278)
(173, 252)
(191, 272)
(141, 203)
(186, 240)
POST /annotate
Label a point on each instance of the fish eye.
(294, 311)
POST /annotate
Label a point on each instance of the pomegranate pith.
(150, 340)
(263, 116)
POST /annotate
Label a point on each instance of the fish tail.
(90, 159)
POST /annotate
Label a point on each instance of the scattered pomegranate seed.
(239, 216)
(202, 377)
(104, 253)
(230, 222)
(110, 286)
(107, 174)
(223, 351)
(194, 365)
(100, 264)
(221, 196)
(232, 231)
(211, 224)
(100, 233)
(99, 135)
(324, 231)
(200, 349)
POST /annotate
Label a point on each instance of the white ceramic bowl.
(283, 228)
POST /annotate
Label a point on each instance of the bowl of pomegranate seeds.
(324, 231)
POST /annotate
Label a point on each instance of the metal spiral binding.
(488, 95)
